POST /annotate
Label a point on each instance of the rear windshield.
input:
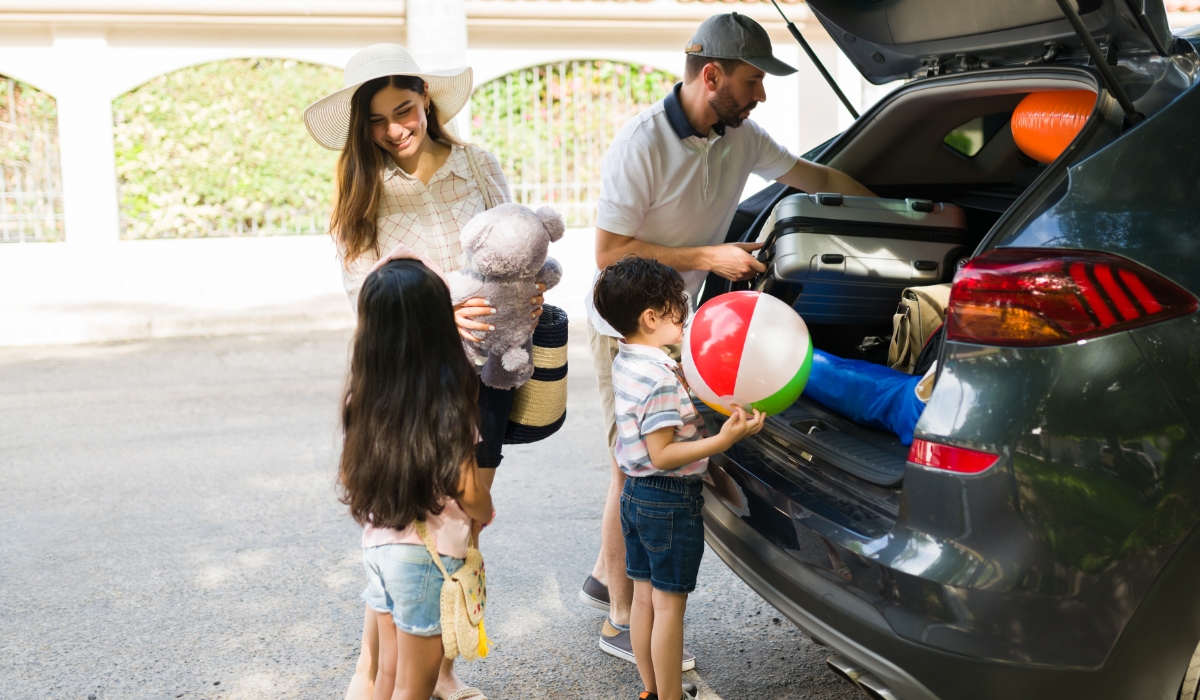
(970, 138)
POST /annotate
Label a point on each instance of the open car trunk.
(904, 148)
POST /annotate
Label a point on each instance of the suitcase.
(852, 257)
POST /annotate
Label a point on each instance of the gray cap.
(736, 36)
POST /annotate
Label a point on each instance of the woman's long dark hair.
(359, 186)
(410, 415)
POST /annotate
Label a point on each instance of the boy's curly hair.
(629, 286)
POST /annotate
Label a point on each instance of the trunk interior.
(947, 142)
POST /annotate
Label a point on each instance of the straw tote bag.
(539, 405)
(464, 596)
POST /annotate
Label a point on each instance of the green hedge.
(220, 149)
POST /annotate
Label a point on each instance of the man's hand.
(734, 261)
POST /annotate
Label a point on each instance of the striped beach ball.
(749, 349)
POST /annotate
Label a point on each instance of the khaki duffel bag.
(921, 311)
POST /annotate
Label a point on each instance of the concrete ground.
(171, 530)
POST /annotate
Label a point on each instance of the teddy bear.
(506, 259)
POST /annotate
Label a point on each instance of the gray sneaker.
(594, 594)
(616, 641)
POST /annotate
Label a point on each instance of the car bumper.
(822, 609)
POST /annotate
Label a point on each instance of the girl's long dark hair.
(410, 415)
(359, 185)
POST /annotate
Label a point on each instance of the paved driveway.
(171, 530)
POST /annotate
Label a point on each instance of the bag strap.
(483, 183)
(437, 558)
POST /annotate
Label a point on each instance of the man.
(670, 185)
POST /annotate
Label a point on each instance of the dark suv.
(1039, 539)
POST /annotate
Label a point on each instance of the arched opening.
(30, 172)
(219, 149)
(550, 126)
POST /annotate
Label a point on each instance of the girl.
(406, 185)
(409, 433)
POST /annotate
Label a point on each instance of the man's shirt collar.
(678, 121)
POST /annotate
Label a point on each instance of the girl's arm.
(473, 495)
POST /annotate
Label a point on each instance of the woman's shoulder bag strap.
(484, 183)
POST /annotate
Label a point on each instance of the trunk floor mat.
(876, 456)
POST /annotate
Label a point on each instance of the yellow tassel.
(484, 642)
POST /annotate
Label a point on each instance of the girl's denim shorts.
(663, 525)
(403, 580)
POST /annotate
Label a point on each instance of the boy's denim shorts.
(403, 580)
(663, 524)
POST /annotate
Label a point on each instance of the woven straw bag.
(540, 405)
(464, 596)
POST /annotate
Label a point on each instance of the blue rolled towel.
(866, 393)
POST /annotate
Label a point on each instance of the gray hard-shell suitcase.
(854, 256)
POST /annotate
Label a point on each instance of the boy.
(660, 447)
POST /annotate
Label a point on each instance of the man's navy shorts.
(663, 524)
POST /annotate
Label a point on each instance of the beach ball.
(749, 349)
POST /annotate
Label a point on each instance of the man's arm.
(732, 261)
(811, 177)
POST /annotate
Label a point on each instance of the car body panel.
(1145, 664)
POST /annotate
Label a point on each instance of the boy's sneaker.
(689, 693)
(594, 594)
(615, 641)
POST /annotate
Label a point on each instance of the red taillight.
(1027, 297)
(953, 459)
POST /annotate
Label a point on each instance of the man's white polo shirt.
(664, 182)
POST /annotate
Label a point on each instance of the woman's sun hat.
(328, 119)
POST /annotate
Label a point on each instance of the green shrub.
(220, 149)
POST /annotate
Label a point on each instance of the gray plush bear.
(506, 259)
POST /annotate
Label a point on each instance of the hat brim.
(770, 64)
(328, 119)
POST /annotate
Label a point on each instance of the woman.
(406, 185)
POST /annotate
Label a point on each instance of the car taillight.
(1030, 297)
(953, 459)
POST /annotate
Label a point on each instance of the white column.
(85, 138)
(437, 38)
(851, 82)
(818, 107)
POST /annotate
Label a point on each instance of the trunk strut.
(1132, 116)
(817, 62)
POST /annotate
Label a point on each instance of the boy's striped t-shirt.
(648, 396)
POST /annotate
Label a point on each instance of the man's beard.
(728, 109)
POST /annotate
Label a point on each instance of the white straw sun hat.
(328, 119)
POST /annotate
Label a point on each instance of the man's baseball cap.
(736, 36)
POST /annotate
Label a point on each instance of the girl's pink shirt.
(451, 530)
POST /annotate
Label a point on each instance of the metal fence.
(272, 221)
(550, 126)
(30, 174)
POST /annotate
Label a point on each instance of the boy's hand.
(740, 425)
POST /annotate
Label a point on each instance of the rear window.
(970, 138)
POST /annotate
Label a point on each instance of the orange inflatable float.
(1045, 123)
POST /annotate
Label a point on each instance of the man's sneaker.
(594, 594)
(616, 641)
